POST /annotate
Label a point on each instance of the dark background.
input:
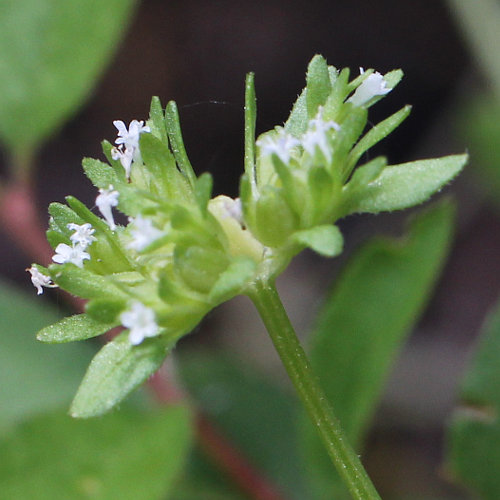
(197, 53)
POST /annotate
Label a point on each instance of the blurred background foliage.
(69, 68)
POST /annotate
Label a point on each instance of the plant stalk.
(268, 303)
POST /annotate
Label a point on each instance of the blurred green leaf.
(202, 479)
(479, 21)
(474, 433)
(127, 455)
(253, 414)
(479, 126)
(51, 54)
(116, 370)
(35, 377)
(403, 186)
(376, 300)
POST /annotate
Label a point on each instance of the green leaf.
(233, 280)
(203, 190)
(376, 134)
(374, 304)
(106, 310)
(51, 54)
(100, 174)
(177, 143)
(318, 84)
(474, 433)
(116, 370)
(127, 455)
(35, 377)
(479, 127)
(156, 120)
(403, 186)
(297, 122)
(250, 119)
(160, 162)
(83, 283)
(77, 327)
(326, 240)
(61, 216)
(255, 414)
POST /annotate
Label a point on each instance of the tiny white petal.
(83, 234)
(143, 233)
(280, 145)
(73, 255)
(141, 322)
(234, 209)
(316, 135)
(128, 140)
(374, 85)
(106, 199)
(126, 157)
(39, 280)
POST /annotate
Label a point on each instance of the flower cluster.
(183, 252)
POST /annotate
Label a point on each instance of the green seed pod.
(199, 267)
(274, 219)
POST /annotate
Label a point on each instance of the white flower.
(38, 279)
(281, 145)
(125, 158)
(130, 138)
(82, 234)
(141, 322)
(128, 141)
(373, 86)
(316, 135)
(143, 233)
(106, 199)
(74, 255)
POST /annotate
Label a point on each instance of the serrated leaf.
(51, 55)
(77, 327)
(127, 455)
(403, 186)
(318, 84)
(232, 281)
(116, 370)
(326, 240)
(378, 297)
(473, 441)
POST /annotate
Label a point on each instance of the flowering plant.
(183, 252)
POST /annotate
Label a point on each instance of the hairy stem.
(268, 303)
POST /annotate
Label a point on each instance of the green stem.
(268, 303)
